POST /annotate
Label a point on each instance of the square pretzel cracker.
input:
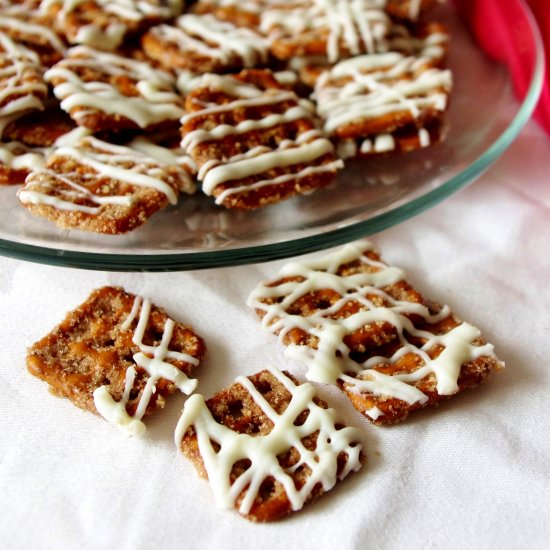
(119, 356)
(386, 102)
(254, 141)
(203, 43)
(101, 187)
(332, 28)
(106, 92)
(105, 24)
(427, 40)
(355, 321)
(267, 445)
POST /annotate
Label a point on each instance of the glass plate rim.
(300, 245)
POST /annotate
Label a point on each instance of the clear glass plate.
(369, 195)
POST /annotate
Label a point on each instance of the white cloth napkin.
(474, 473)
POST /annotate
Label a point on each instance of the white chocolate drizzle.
(357, 25)
(376, 85)
(262, 450)
(154, 360)
(330, 360)
(156, 101)
(244, 168)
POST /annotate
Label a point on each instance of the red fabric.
(505, 39)
(541, 11)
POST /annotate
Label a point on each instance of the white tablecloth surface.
(474, 473)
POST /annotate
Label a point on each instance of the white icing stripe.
(115, 411)
(157, 102)
(153, 359)
(268, 99)
(329, 167)
(432, 47)
(72, 137)
(257, 165)
(331, 359)
(262, 451)
(424, 137)
(108, 38)
(13, 50)
(196, 137)
(127, 9)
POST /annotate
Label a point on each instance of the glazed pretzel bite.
(356, 322)
(203, 44)
(254, 141)
(377, 103)
(111, 93)
(267, 445)
(117, 355)
(101, 187)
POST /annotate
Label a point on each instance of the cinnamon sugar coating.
(90, 348)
